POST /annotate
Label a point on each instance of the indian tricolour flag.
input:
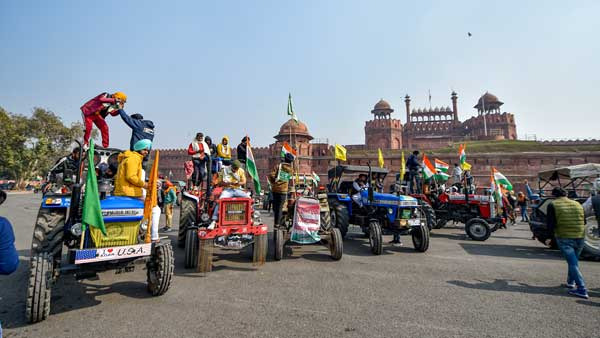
(501, 179)
(462, 155)
(441, 166)
(287, 149)
(251, 167)
(428, 168)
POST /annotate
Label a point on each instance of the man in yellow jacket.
(130, 178)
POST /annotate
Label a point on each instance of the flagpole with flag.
(251, 168)
(151, 196)
(92, 211)
(402, 168)
(380, 158)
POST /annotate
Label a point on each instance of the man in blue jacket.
(140, 129)
(9, 259)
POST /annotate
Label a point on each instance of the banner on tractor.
(307, 221)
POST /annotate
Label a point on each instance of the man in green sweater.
(566, 220)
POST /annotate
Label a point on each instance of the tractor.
(380, 213)
(88, 251)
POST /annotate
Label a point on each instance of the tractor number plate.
(414, 222)
(113, 253)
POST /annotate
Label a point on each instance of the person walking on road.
(279, 180)
(565, 217)
(169, 201)
(522, 202)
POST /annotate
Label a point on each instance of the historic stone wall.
(383, 133)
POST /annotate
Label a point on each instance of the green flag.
(290, 109)
(92, 213)
(282, 175)
(251, 167)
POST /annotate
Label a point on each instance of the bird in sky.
(469, 34)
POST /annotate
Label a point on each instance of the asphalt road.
(508, 286)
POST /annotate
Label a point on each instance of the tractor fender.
(189, 196)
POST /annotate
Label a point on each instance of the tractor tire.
(187, 217)
(591, 240)
(420, 238)
(429, 214)
(205, 255)
(278, 242)
(191, 248)
(40, 286)
(478, 229)
(375, 237)
(160, 269)
(48, 236)
(261, 248)
(339, 216)
(336, 244)
(440, 223)
(325, 220)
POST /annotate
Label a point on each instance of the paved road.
(508, 286)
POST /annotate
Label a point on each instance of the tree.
(31, 145)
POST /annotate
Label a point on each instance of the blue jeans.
(571, 248)
(524, 216)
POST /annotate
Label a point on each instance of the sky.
(226, 67)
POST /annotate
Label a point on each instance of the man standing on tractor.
(566, 219)
(95, 111)
(169, 201)
(414, 172)
(456, 173)
(130, 178)
(241, 150)
(140, 129)
(232, 179)
(279, 181)
(198, 153)
(224, 150)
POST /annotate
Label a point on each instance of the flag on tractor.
(316, 178)
(466, 166)
(501, 179)
(428, 168)
(380, 158)
(151, 195)
(290, 109)
(462, 155)
(251, 167)
(441, 177)
(92, 213)
(282, 175)
(287, 149)
(340, 152)
(441, 166)
(402, 167)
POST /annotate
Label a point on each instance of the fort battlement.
(383, 123)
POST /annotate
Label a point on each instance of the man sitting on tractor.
(359, 184)
(65, 165)
(232, 179)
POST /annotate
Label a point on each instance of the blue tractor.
(61, 246)
(380, 213)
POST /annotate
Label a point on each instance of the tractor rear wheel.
(339, 216)
(420, 238)
(478, 229)
(375, 237)
(160, 269)
(278, 241)
(591, 240)
(260, 249)
(40, 283)
(191, 248)
(429, 214)
(205, 255)
(187, 217)
(336, 244)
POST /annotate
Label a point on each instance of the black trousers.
(278, 199)
(199, 171)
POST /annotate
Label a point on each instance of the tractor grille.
(235, 212)
(118, 234)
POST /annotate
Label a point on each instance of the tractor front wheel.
(191, 248)
(40, 284)
(160, 269)
(205, 255)
(420, 238)
(375, 237)
(279, 242)
(478, 229)
(336, 244)
(260, 249)
(187, 217)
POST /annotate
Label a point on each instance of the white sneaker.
(212, 225)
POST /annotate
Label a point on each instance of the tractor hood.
(389, 199)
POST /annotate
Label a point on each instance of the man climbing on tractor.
(279, 181)
(95, 111)
(232, 179)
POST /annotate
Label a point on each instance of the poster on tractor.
(307, 221)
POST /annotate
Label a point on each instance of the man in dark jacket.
(241, 149)
(279, 180)
(140, 129)
(9, 258)
(414, 172)
(566, 220)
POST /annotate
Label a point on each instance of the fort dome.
(382, 105)
(294, 128)
(488, 102)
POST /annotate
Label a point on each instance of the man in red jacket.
(95, 111)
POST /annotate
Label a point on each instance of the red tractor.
(237, 226)
(476, 211)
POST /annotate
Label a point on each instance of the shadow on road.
(512, 251)
(505, 285)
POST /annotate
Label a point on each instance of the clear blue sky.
(226, 67)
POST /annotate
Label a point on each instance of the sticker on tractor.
(307, 221)
(109, 254)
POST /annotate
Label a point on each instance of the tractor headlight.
(390, 211)
(414, 213)
(256, 217)
(205, 217)
(77, 229)
(144, 226)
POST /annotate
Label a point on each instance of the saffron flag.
(402, 168)
(92, 212)
(151, 196)
(290, 109)
(251, 167)
(380, 159)
(428, 168)
(340, 152)
(287, 149)
(501, 179)
(441, 166)
(462, 155)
